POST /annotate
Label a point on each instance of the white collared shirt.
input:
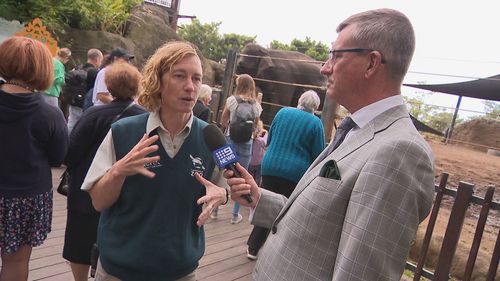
(366, 114)
(106, 155)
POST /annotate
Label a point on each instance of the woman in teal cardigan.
(296, 138)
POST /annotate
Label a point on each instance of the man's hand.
(214, 197)
(241, 186)
(133, 163)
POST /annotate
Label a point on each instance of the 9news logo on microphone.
(225, 156)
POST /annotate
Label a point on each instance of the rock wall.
(147, 29)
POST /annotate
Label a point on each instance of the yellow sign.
(36, 30)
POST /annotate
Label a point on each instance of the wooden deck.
(224, 259)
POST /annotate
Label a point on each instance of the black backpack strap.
(123, 111)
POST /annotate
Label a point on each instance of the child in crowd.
(258, 149)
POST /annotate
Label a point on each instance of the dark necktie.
(345, 126)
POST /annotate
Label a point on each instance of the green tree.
(106, 15)
(50, 11)
(431, 115)
(492, 109)
(211, 44)
(441, 120)
(275, 44)
(215, 46)
(312, 48)
(417, 107)
(233, 41)
(205, 36)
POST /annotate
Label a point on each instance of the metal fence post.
(227, 82)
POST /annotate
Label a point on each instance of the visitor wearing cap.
(100, 94)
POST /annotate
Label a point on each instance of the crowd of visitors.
(141, 175)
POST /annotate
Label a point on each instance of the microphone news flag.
(222, 152)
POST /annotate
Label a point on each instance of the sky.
(454, 38)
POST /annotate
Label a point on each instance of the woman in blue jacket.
(296, 138)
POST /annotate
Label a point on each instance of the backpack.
(75, 86)
(242, 124)
(87, 100)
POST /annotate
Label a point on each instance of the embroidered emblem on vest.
(197, 165)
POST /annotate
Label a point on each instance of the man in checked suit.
(359, 225)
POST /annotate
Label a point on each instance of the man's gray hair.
(388, 31)
(94, 54)
(309, 101)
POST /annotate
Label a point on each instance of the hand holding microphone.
(243, 187)
(225, 158)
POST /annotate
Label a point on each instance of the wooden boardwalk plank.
(224, 259)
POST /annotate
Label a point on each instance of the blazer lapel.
(362, 137)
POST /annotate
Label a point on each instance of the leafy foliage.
(211, 44)
(235, 41)
(441, 120)
(492, 109)
(215, 46)
(417, 108)
(275, 44)
(433, 117)
(314, 49)
(106, 15)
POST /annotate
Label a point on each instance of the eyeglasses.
(332, 54)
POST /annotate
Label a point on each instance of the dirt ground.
(482, 170)
(468, 165)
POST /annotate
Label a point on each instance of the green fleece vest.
(150, 233)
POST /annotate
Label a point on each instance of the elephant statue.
(282, 66)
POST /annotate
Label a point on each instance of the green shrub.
(105, 15)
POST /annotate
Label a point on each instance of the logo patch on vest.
(197, 165)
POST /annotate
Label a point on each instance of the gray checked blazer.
(357, 228)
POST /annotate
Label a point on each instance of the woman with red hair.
(34, 139)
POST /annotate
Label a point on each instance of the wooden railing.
(463, 198)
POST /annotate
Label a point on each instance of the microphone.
(222, 152)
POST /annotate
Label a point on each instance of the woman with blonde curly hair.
(147, 178)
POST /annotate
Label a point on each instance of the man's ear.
(374, 63)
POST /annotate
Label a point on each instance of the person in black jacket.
(33, 138)
(122, 80)
(94, 60)
(201, 109)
